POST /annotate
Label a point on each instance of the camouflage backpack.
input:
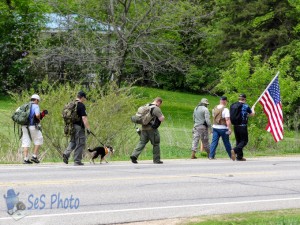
(70, 117)
(21, 115)
(144, 115)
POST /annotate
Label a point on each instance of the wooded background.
(200, 46)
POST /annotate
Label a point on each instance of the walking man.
(202, 123)
(32, 131)
(239, 113)
(221, 128)
(78, 138)
(150, 132)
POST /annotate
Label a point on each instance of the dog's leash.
(96, 138)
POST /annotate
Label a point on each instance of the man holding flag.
(239, 113)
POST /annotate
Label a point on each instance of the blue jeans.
(217, 133)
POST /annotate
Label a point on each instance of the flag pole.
(265, 90)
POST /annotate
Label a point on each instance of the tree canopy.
(217, 47)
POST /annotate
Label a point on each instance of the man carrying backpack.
(202, 123)
(239, 113)
(150, 132)
(221, 128)
(78, 137)
(32, 131)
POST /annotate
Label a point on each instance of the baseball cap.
(81, 94)
(35, 96)
(224, 98)
(204, 101)
(242, 96)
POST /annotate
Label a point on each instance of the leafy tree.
(19, 29)
(140, 41)
(249, 74)
(262, 26)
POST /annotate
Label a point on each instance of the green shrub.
(109, 109)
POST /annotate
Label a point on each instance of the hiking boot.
(158, 162)
(78, 164)
(27, 161)
(193, 155)
(65, 159)
(133, 159)
(242, 159)
(233, 156)
(35, 159)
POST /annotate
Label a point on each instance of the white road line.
(154, 208)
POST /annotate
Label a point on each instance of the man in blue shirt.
(241, 130)
(32, 132)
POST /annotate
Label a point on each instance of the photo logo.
(15, 208)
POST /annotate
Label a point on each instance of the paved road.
(121, 192)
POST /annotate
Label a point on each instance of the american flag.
(271, 103)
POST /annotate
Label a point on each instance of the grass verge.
(277, 217)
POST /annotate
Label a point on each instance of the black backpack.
(236, 113)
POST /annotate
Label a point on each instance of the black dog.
(103, 151)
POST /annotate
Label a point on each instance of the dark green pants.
(146, 136)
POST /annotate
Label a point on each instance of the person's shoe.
(133, 159)
(233, 156)
(78, 164)
(27, 161)
(158, 162)
(210, 158)
(242, 159)
(193, 155)
(65, 159)
(35, 159)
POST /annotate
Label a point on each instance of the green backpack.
(21, 115)
(70, 117)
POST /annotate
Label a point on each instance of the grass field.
(279, 217)
(176, 130)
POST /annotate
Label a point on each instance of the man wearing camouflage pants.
(202, 123)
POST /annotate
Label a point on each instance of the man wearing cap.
(201, 118)
(240, 128)
(78, 139)
(221, 128)
(32, 132)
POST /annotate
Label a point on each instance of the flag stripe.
(271, 103)
(271, 126)
(273, 120)
(274, 116)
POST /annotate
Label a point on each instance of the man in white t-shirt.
(221, 128)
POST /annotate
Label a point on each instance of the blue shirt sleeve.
(35, 110)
